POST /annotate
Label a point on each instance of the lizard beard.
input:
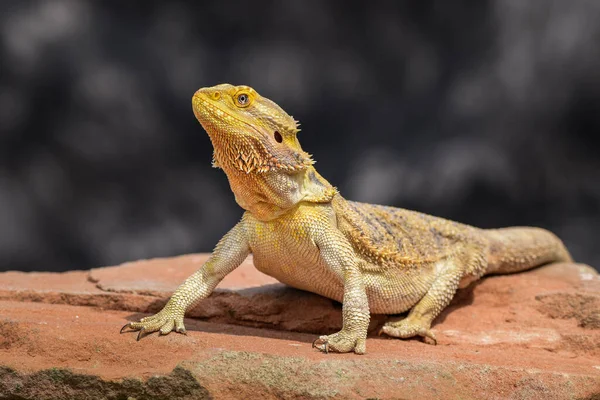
(249, 154)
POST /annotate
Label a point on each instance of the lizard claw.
(126, 326)
(140, 334)
(323, 345)
(131, 326)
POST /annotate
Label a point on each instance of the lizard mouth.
(207, 111)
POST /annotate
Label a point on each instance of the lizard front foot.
(407, 328)
(341, 342)
(164, 321)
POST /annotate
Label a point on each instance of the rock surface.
(525, 336)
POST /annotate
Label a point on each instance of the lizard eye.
(242, 99)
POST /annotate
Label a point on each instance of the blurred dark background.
(485, 112)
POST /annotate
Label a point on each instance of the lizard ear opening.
(278, 137)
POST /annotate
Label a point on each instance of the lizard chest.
(285, 249)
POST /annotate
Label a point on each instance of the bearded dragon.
(301, 231)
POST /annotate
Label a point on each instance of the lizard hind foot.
(407, 328)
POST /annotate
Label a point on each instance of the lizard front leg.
(229, 253)
(339, 256)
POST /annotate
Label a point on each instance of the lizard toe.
(179, 327)
(167, 327)
(408, 328)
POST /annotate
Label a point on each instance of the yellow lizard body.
(301, 231)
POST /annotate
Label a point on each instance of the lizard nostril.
(216, 95)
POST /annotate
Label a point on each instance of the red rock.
(529, 335)
(141, 276)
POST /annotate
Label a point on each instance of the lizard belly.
(391, 293)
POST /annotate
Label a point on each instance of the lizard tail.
(521, 248)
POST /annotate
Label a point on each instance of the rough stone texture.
(524, 336)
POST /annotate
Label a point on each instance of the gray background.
(480, 111)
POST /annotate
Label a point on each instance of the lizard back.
(391, 237)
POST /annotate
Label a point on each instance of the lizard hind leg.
(418, 322)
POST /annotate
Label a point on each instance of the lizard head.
(249, 132)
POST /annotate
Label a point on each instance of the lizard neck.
(268, 195)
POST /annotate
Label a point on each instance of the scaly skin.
(304, 233)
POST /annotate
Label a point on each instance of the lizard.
(301, 231)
